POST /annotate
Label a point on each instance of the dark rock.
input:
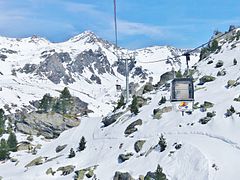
(8, 51)
(205, 79)
(60, 148)
(66, 169)
(148, 88)
(211, 114)
(219, 64)
(166, 77)
(95, 78)
(64, 57)
(122, 176)
(111, 119)
(210, 62)
(124, 157)
(3, 57)
(131, 128)
(138, 145)
(205, 120)
(221, 72)
(178, 146)
(54, 70)
(157, 175)
(28, 68)
(237, 99)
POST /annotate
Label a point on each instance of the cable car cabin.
(182, 94)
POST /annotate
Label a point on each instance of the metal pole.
(187, 59)
(127, 80)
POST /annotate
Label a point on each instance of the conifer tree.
(120, 103)
(82, 144)
(72, 153)
(46, 103)
(2, 122)
(159, 175)
(4, 153)
(234, 61)
(12, 142)
(133, 107)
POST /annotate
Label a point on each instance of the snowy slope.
(209, 151)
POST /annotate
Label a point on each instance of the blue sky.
(141, 23)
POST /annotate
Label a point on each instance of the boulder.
(205, 79)
(232, 83)
(237, 99)
(166, 77)
(131, 128)
(148, 87)
(124, 157)
(122, 176)
(111, 119)
(36, 161)
(50, 171)
(219, 64)
(138, 145)
(66, 169)
(221, 72)
(24, 146)
(60, 148)
(157, 113)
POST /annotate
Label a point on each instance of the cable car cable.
(190, 51)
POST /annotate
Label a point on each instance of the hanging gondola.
(182, 92)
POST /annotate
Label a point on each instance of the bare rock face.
(50, 125)
(122, 176)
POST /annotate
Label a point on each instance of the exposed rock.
(95, 78)
(60, 148)
(237, 99)
(157, 113)
(219, 64)
(64, 57)
(232, 83)
(24, 145)
(210, 62)
(138, 145)
(54, 70)
(66, 169)
(138, 71)
(30, 138)
(3, 57)
(89, 172)
(50, 125)
(122, 176)
(205, 120)
(124, 157)
(13, 159)
(221, 72)
(36, 161)
(131, 128)
(50, 171)
(205, 79)
(28, 68)
(166, 77)
(206, 105)
(141, 101)
(157, 175)
(8, 51)
(148, 87)
(111, 119)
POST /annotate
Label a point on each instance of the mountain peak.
(87, 35)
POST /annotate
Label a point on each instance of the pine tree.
(4, 153)
(12, 142)
(214, 46)
(2, 122)
(82, 144)
(46, 103)
(159, 175)
(133, 107)
(72, 153)
(162, 143)
(120, 103)
(162, 101)
(65, 100)
(179, 74)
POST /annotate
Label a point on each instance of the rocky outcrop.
(157, 113)
(166, 77)
(111, 119)
(37, 161)
(66, 169)
(124, 157)
(131, 128)
(50, 125)
(95, 78)
(3, 57)
(60, 148)
(54, 70)
(205, 79)
(138, 145)
(122, 176)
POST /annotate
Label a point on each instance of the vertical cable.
(115, 23)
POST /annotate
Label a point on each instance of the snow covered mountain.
(120, 145)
